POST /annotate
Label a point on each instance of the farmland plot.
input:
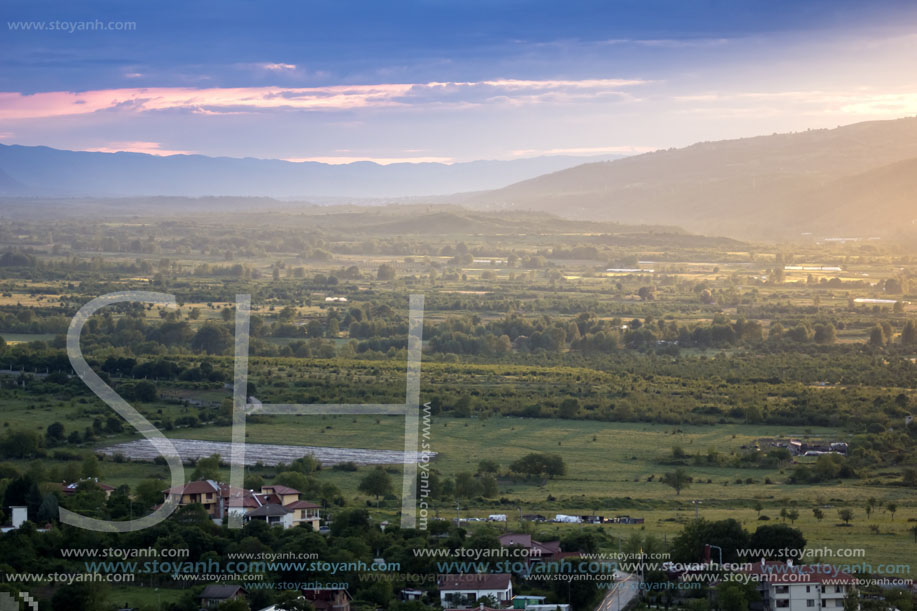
(267, 454)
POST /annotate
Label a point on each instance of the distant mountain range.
(42, 171)
(854, 181)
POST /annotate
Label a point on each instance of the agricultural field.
(668, 389)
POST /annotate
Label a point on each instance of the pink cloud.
(15, 105)
(379, 160)
(150, 148)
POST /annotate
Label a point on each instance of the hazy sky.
(445, 80)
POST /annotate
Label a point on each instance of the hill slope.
(752, 187)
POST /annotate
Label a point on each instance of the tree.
(149, 492)
(793, 515)
(825, 334)
(292, 600)
(846, 515)
(569, 408)
(735, 596)
(909, 334)
(877, 337)
(234, 604)
(757, 506)
(647, 293)
(145, 391)
(852, 600)
(211, 338)
(893, 286)
(48, 510)
(376, 483)
(679, 480)
(466, 486)
(54, 434)
(207, 468)
(729, 535)
(540, 464)
(489, 487)
(385, 272)
(91, 466)
(777, 537)
(80, 595)
(818, 513)
(487, 465)
(892, 508)
(20, 444)
(909, 477)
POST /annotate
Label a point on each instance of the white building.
(805, 587)
(463, 591)
(18, 517)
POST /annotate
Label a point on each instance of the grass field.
(604, 460)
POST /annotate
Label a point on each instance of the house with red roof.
(206, 493)
(804, 587)
(275, 504)
(535, 551)
(465, 589)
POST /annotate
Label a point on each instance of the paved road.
(625, 589)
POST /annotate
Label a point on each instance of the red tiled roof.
(516, 539)
(779, 572)
(547, 549)
(302, 505)
(71, 488)
(278, 489)
(203, 486)
(268, 511)
(249, 498)
(474, 581)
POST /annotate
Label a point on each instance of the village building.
(464, 590)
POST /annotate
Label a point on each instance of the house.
(250, 500)
(70, 489)
(788, 587)
(275, 515)
(275, 504)
(329, 599)
(214, 595)
(536, 603)
(206, 493)
(537, 551)
(19, 515)
(411, 594)
(305, 512)
(284, 494)
(463, 590)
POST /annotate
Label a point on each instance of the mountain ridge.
(748, 187)
(46, 171)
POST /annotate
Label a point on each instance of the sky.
(437, 80)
